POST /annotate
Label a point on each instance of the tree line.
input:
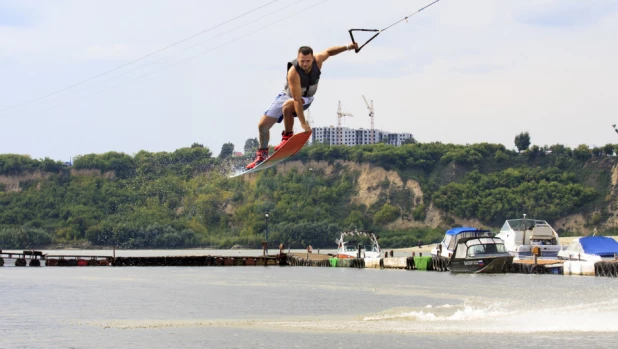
(185, 199)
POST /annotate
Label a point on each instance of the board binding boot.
(285, 136)
(260, 156)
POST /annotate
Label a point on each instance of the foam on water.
(461, 314)
(591, 317)
(488, 319)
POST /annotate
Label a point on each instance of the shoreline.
(564, 241)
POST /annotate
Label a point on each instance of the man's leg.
(288, 115)
(288, 122)
(264, 127)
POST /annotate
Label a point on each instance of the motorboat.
(480, 255)
(590, 249)
(446, 247)
(520, 236)
(358, 244)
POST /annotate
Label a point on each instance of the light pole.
(266, 228)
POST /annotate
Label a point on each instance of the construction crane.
(340, 115)
(371, 115)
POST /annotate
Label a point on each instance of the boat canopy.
(460, 230)
(599, 245)
(453, 235)
(479, 246)
(524, 224)
(352, 245)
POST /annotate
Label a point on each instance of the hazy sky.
(462, 71)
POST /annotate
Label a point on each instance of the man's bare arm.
(333, 51)
(296, 90)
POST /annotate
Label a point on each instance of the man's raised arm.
(333, 51)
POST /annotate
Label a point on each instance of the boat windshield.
(575, 246)
(370, 248)
(522, 224)
(350, 248)
(484, 249)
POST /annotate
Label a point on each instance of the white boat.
(352, 244)
(520, 236)
(446, 247)
(590, 249)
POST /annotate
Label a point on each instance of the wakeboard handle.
(356, 50)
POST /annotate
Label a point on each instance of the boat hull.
(484, 265)
(545, 252)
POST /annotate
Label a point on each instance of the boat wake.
(446, 319)
(442, 313)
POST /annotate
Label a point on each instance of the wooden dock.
(428, 263)
(197, 261)
(31, 258)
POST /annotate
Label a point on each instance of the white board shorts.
(276, 107)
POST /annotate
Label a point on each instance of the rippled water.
(300, 307)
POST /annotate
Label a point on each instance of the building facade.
(333, 135)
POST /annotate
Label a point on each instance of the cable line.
(408, 16)
(135, 60)
(202, 42)
(381, 30)
(187, 59)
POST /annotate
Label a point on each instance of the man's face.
(305, 61)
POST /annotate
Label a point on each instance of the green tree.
(387, 214)
(24, 237)
(122, 164)
(534, 152)
(582, 152)
(419, 213)
(559, 149)
(597, 151)
(522, 141)
(251, 146)
(491, 197)
(608, 149)
(354, 220)
(226, 151)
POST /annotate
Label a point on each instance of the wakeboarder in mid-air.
(301, 84)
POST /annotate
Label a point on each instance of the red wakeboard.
(291, 147)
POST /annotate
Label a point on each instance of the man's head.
(305, 58)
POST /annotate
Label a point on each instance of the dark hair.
(306, 50)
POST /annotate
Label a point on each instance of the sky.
(81, 77)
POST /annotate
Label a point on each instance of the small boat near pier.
(521, 236)
(364, 246)
(480, 255)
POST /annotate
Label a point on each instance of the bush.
(23, 238)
